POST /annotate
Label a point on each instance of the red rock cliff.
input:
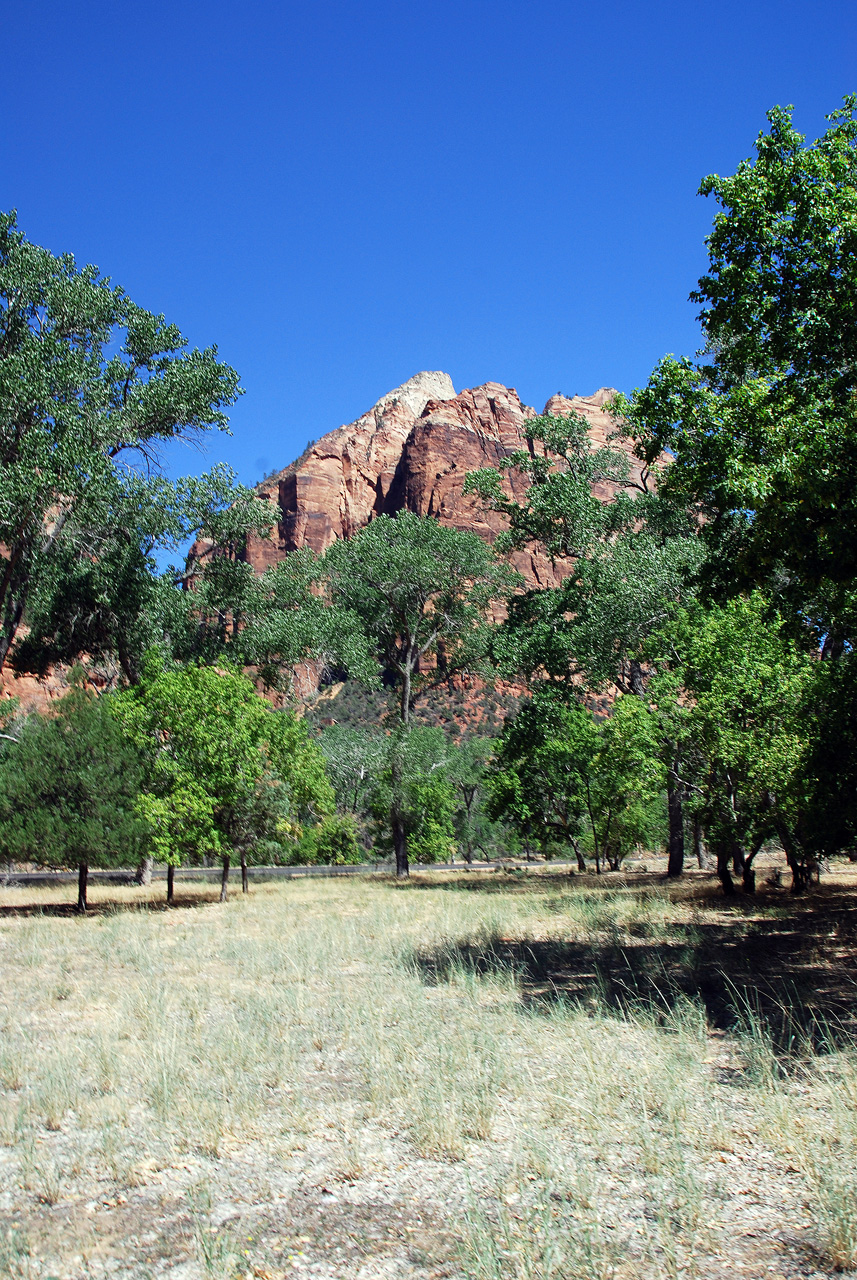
(411, 451)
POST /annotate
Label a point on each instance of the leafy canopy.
(420, 591)
(764, 428)
(69, 787)
(224, 768)
(91, 387)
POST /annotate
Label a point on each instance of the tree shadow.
(787, 968)
(489, 879)
(99, 909)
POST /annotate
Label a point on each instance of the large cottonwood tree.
(92, 386)
(421, 593)
(763, 428)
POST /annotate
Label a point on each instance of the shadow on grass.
(105, 908)
(790, 968)
(481, 879)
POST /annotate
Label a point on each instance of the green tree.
(100, 593)
(468, 773)
(630, 558)
(562, 468)
(543, 764)
(625, 787)
(563, 778)
(68, 790)
(414, 800)
(271, 621)
(762, 433)
(763, 428)
(421, 592)
(354, 759)
(213, 743)
(333, 842)
(745, 695)
(91, 386)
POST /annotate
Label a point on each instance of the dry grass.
(497, 1077)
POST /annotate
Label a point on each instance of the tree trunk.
(594, 830)
(699, 849)
(224, 880)
(833, 647)
(749, 873)
(405, 702)
(400, 845)
(13, 593)
(723, 872)
(581, 861)
(11, 623)
(245, 888)
(800, 868)
(82, 881)
(675, 814)
(736, 846)
(738, 858)
(144, 871)
(171, 881)
(126, 662)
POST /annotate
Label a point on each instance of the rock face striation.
(411, 451)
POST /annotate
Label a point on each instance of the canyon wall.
(411, 451)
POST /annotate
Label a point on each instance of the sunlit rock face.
(411, 451)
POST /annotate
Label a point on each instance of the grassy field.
(493, 1076)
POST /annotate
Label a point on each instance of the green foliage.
(468, 773)
(91, 386)
(562, 779)
(829, 823)
(759, 492)
(102, 596)
(561, 510)
(354, 759)
(420, 591)
(543, 763)
(226, 772)
(763, 430)
(332, 842)
(69, 786)
(626, 784)
(271, 621)
(741, 696)
(415, 792)
(637, 559)
(778, 298)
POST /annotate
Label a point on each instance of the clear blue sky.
(341, 194)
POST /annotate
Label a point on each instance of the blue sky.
(341, 194)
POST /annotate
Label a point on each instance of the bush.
(332, 843)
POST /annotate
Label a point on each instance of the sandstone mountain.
(411, 451)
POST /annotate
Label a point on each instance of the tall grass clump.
(547, 1240)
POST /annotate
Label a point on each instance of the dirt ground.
(493, 1075)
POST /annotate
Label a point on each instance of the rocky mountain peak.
(417, 391)
(411, 451)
